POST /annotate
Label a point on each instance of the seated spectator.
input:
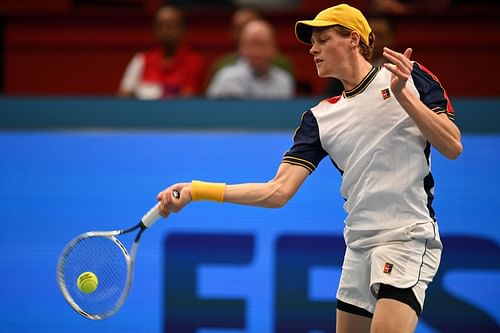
(238, 20)
(168, 70)
(253, 76)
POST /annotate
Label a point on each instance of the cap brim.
(303, 29)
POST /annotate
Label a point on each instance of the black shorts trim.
(349, 308)
(405, 295)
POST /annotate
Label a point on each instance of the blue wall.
(247, 269)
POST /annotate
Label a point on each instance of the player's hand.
(172, 203)
(400, 66)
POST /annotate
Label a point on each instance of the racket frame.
(129, 260)
(146, 221)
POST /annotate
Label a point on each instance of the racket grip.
(154, 213)
(151, 216)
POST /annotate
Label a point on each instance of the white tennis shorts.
(406, 257)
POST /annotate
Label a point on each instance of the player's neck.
(358, 71)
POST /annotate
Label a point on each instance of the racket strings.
(107, 259)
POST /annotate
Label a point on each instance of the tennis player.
(378, 133)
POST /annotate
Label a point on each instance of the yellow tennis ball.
(87, 282)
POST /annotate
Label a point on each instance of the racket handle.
(151, 216)
(154, 213)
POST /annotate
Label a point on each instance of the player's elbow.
(278, 201)
(279, 196)
(454, 151)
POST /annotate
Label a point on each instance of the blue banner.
(222, 268)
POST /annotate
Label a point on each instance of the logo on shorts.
(385, 93)
(388, 268)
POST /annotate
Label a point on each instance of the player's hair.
(365, 50)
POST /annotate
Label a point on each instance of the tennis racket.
(103, 254)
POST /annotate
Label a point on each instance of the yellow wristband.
(207, 191)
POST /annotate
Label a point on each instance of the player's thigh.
(392, 316)
(354, 284)
(349, 323)
(405, 265)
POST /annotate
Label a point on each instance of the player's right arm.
(273, 194)
(298, 162)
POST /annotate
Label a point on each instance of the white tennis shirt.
(381, 154)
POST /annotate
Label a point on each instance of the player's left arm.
(437, 128)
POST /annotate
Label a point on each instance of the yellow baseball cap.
(343, 15)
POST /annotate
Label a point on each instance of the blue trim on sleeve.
(307, 150)
(431, 92)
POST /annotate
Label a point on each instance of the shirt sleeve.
(132, 74)
(432, 93)
(306, 150)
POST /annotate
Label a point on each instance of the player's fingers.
(163, 197)
(398, 71)
(171, 199)
(163, 210)
(408, 53)
(397, 59)
(395, 70)
(401, 60)
(162, 194)
(174, 198)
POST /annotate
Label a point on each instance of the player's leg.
(397, 311)
(355, 303)
(400, 274)
(352, 319)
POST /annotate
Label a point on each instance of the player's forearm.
(273, 194)
(269, 195)
(436, 128)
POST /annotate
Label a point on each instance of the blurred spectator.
(238, 20)
(168, 70)
(253, 75)
(383, 29)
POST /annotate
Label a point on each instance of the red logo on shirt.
(388, 268)
(386, 93)
(333, 100)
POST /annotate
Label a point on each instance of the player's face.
(330, 52)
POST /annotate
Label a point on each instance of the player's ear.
(354, 39)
